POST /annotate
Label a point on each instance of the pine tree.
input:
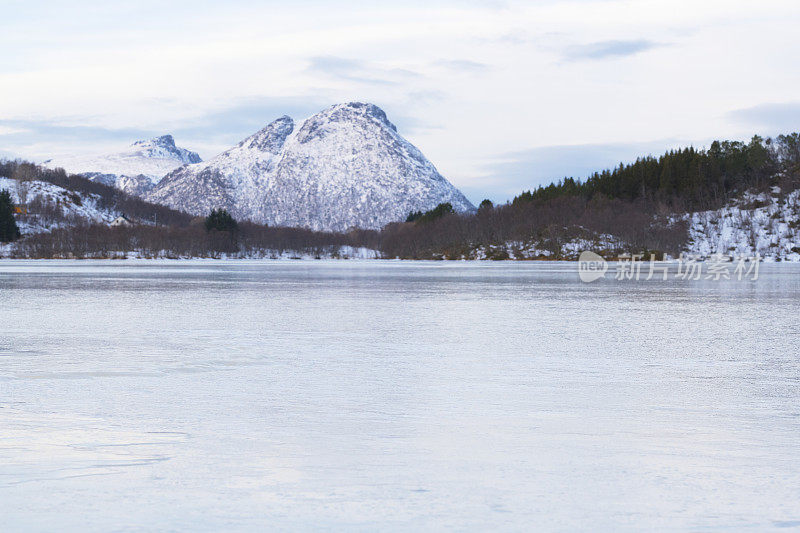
(413, 216)
(437, 212)
(8, 226)
(220, 220)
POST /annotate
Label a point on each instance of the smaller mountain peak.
(272, 136)
(165, 146)
(358, 115)
(164, 140)
(362, 109)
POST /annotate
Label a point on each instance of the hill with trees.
(643, 206)
(690, 179)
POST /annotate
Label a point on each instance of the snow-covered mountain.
(135, 170)
(344, 167)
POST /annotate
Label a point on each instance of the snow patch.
(758, 224)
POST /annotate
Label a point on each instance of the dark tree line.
(432, 214)
(689, 179)
(220, 220)
(248, 240)
(640, 223)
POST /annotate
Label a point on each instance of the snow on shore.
(759, 224)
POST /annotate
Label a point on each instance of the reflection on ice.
(39, 447)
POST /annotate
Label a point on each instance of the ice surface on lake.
(394, 395)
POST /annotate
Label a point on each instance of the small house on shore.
(121, 220)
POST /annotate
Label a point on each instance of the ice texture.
(394, 396)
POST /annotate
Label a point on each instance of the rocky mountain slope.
(344, 167)
(49, 206)
(135, 170)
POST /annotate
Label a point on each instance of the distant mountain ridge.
(344, 167)
(135, 170)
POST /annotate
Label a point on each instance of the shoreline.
(768, 260)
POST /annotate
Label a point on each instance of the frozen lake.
(394, 395)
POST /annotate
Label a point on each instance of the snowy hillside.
(766, 224)
(135, 170)
(756, 224)
(344, 167)
(50, 206)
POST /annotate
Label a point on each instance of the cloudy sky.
(500, 95)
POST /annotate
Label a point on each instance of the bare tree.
(23, 186)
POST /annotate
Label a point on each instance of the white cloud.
(8, 130)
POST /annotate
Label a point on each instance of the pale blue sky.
(501, 96)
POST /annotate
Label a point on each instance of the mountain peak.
(133, 170)
(164, 147)
(164, 141)
(352, 118)
(271, 137)
(351, 110)
(343, 167)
